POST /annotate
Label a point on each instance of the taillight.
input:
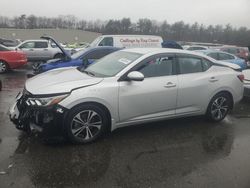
(241, 77)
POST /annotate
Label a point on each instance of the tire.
(58, 56)
(3, 67)
(85, 124)
(35, 65)
(219, 107)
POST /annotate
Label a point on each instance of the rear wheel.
(219, 107)
(3, 66)
(86, 123)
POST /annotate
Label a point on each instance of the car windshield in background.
(112, 64)
(4, 48)
(96, 41)
(79, 54)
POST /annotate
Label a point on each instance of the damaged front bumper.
(46, 120)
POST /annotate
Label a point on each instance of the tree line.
(179, 31)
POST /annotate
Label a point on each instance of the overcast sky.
(235, 12)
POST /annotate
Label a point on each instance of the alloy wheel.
(86, 125)
(219, 108)
(3, 67)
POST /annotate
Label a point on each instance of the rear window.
(41, 44)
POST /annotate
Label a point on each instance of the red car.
(11, 59)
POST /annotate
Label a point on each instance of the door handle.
(31, 50)
(213, 79)
(169, 85)
(45, 49)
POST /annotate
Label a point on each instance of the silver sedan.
(127, 87)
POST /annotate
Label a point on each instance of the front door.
(155, 96)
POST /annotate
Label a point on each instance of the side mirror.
(135, 76)
(85, 62)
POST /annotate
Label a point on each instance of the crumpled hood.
(59, 81)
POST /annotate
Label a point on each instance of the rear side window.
(223, 56)
(189, 65)
(41, 45)
(158, 66)
(107, 41)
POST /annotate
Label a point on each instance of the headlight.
(45, 101)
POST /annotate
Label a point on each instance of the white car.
(128, 41)
(39, 50)
(127, 87)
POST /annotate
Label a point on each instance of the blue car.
(226, 57)
(81, 58)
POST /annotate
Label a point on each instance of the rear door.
(41, 50)
(196, 83)
(153, 97)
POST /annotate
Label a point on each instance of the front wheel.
(3, 67)
(219, 107)
(85, 124)
(58, 56)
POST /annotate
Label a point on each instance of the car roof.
(158, 50)
(35, 40)
(129, 35)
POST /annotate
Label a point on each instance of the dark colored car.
(81, 58)
(9, 42)
(11, 59)
(171, 44)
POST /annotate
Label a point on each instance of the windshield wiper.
(88, 73)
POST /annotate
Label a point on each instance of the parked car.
(194, 47)
(127, 87)
(171, 44)
(9, 42)
(11, 59)
(88, 56)
(227, 57)
(246, 83)
(240, 52)
(40, 50)
(128, 41)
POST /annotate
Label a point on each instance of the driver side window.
(158, 66)
(107, 41)
(28, 45)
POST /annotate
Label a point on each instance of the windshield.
(78, 54)
(111, 64)
(4, 48)
(96, 41)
